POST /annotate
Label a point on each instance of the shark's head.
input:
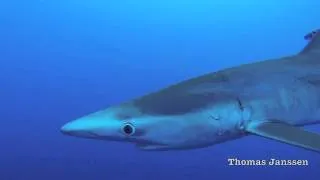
(161, 123)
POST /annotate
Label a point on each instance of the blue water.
(62, 59)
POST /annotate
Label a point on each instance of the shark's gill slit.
(240, 104)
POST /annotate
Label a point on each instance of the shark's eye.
(128, 129)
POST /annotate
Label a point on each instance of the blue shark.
(273, 99)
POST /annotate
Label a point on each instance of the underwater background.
(62, 59)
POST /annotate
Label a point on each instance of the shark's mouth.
(152, 147)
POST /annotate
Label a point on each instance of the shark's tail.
(314, 42)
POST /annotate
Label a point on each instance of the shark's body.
(269, 98)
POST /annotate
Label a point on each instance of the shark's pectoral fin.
(287, 134)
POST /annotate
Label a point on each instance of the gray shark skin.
(271, 99)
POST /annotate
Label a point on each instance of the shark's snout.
(77, 128)
(92, 127)
(67, 128)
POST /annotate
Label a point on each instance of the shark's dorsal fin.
(287, 134)
(314, 42)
